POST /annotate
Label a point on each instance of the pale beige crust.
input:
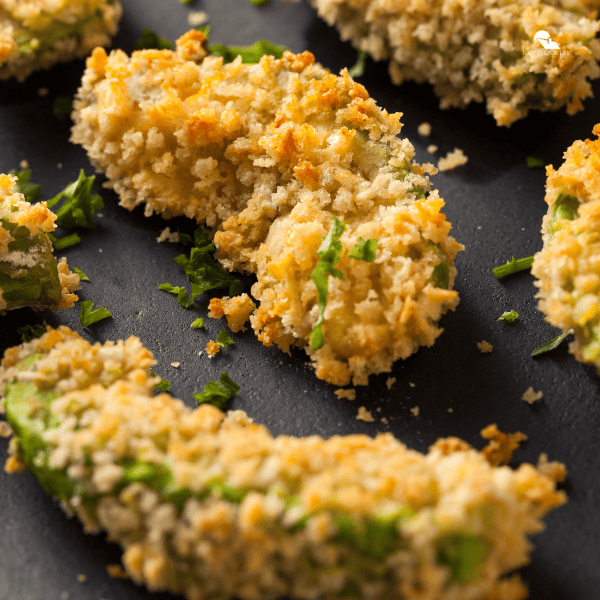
(266, 154)
(214, 547)
(480, 50)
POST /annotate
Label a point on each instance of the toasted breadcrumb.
(412, 385)
(24, 164)
(484, 347)
(43, 91)
(212, 348)
(432, 148)
(452, 160)
(364, 415)
(501, 446)
(237, 310)
(116, 571)
(415, 410)
(81, 578)
(384, 420)
(197, 18)
(424, 129)
(349, 394)
(530, 396)
(390, 381)
(166, 235)
(175, 364)
(5, 429)
(553, 469)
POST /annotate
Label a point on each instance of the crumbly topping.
(348, 394)
(530, 396)
(452, 160)
(484, 347)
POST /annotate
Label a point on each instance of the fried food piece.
(29, 273)
(37, 34)
(268, 155)
(480, 50)
(212, 506)
(566, 268)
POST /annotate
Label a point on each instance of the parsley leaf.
(223, 339)
(186, 1)
(163, 384)
(533, 162)
(82, 275)
(364, 250)
(513, 266)
(63, 107)
(508, 317)
(551, 344)
(149, 40)
(218, 393)
(250, 54)
(198, 323)
(79, 205)
(329, 253)
(259, 2)
(181, 294)
(29, 332)
(64, 242)
(88, 317)
(31, 191)
(358, 70)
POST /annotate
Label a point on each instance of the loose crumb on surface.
(24, 164)
(553, 469)
(200, 353)
(81, 578)
(166, 235)
(390, 382)
(530, 396)
(484, 347)
(212, 348)
(5, 429)
(432, 148)
(349, 394)
(364, 415)
(415, 410)
(450, 410)
(452, 160)
(59, 165)
(175, 364)
(197, 18)
(501, 446)
(424, 129)
(411, 384)
(237, 310)
(384, 420)
(43, 91)
(116, 571)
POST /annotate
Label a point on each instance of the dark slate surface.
(495, 204)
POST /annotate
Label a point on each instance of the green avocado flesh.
(37, 286)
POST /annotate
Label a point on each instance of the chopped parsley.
(31, 191)
(513, 266)
(198, 323)
(163, 384)
(329, 253)
(508, 317)
(88, 317)
(149, 40)
(364, 250)
(219, 392)
(29, 332)
(64, 242)
(63, 107)
(82, 275)
(79, 205)
(533, 162)
(181, 294)
(358, 70)
(186, 1)
(259, 2)
(551, 344)
(223, 339)
(250, 54)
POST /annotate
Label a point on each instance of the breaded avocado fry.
(29, 273)
(36, 34)
(210, 505)
(303, 180)
(515, 56)
(567, 268)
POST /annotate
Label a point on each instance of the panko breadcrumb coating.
(567, 266)
(268, 155)
(29, 273)
(37, 34)
(480, 50)
(212, 506)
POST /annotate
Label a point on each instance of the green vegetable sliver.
(513, 266)
(551, 344)
(565, 207)
(464, 554)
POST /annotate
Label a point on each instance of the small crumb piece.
(43, 91)
(553, 469)
(349, 394)
(452, 160)
(484, 347)
(175, 364)
(384, 420)
(237, 310)
(364, 415)
(432, 148)
(99, 249)
(59, 165)
(197, 18)
(166, 235)
(415, 410)
(201, 353)
(530, 396)
(24, 164)
(424, 129)
(5, 429)
(450, 410)
(501, 447)
(81, 578)
(390, 382)
(116, 571)
(411, 384)
(212, 348)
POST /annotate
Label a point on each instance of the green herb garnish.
(63, 107)
(513, 266)
(149, 40)
(163, 384)
(358, 70)
(533, 162)
(551, 344)
(223, 339)
(31, 191)
(219, 392)
(329, 253)
(508, 317)
(186, 1)
(29, 332)
(88, 317)
(82, 275)
(364, 250)
(463, 554)
(250, 54)
(259, 2)
(64, 242)
(198, 323)
(181, 294)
